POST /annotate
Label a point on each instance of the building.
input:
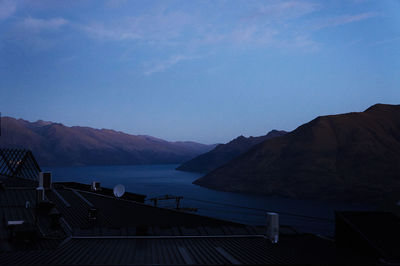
(45, 223)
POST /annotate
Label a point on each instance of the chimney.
(55, 216)
(39, 195)
(273, 226)
(45, 180)
(43, 205)
(96, 186)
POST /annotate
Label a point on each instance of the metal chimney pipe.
(273, 226)
(39, 195)
(45, 180)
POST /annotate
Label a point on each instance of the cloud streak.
(190, 28)
(261, 25)
(279, 24)
(344, 19)
(151, 27)
(7, 9)
(37, 24)
(32, 33)
(167, 64)
(283, 10)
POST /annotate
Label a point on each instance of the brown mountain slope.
(354, 156)
(223, 153)
(56, 144)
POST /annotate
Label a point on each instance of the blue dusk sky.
(204, 71)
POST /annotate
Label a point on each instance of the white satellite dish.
(119, 190)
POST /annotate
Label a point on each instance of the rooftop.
(72, 224)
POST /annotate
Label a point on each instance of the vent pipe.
(273, 226)
(96, 186)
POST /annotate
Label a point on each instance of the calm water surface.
(158, 180)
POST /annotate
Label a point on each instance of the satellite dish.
(119, 190)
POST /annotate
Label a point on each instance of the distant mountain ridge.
(224, 153)
(56, 144)
(349, 157)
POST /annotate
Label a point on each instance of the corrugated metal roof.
(18, 163)
(138, 234)
(245, 250)
(102, 191)
(18, 197)
(297, 250)
(18, 182)
(123, 217)
(13, 207)
(373, 232)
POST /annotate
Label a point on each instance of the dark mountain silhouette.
(56, 144)
(223, 153)
(349, 157)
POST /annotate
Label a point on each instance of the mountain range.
(223, 153)
(57, 144)
(349, 157)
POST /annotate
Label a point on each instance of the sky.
(205, 71)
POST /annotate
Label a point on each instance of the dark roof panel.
(246, 250)
(372, 232)
(18, 182)
(124, 217)
(125, 231)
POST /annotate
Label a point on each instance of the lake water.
(158, 180)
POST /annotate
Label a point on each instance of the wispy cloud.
(150, 27)
(115, 3)
(37, 24)
(162, 66)
(7, 8)
(244, 36)
(259, 25)
(344, 19)
(31, 33)
(283, 10)
(193, 28)
(268, 25)
(385, 41)
(109, 32)
(301, 41)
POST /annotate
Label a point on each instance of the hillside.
(349, 157)
(224, 153)
(56, 144)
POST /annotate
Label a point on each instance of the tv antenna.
(119, 190)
